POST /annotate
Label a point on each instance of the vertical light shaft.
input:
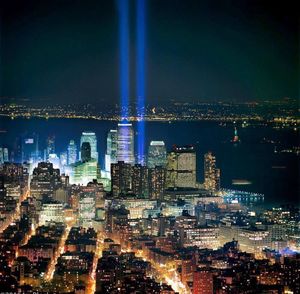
(140, 75)
(123, 8)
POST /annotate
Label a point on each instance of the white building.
(51, 212)
(111, 149)
(137, 207)
(202, 237)
(87, 211)
(125, 140)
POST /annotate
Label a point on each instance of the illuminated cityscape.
(95, 230)
(149, 147)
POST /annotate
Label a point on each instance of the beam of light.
(140, 76)
(123, 9)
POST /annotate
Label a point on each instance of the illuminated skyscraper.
(83, 172)
(86, 170)
(157, 177)
(111, 149)
(85, 152)
(50, 149)
(86, 211)
(63, 157)
(30, 148)
(51, 212)
(181, 168)
(125, 139)
(72, 152)
(44, 180)
(3, 155)
(211, 173)
(120, 178)
(157, 154)
(90, 137)
(54, 159)
(140, 180)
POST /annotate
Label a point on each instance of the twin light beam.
(123, 6)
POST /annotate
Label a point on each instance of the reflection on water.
(251, 161)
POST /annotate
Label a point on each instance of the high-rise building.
(84, 172)
(157, 177)
(16, 152)
(211, 173)
(3, 155)
(45, 180)
(72, 152)
(140, 181)
(50, 148)
(63, 157)
(14, 173)
(95, 190)
(187, 269)
(181, 168)
(85, 152)
(30, 148)
(120, 178)
(86, 211)
(125, 139)
(90, 137)
(51, 212)
(55, 160)
(111, 149)
(157, 154)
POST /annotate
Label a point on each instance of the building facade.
(125, 143)
(157, 154)
(181, 168)
(211, 173)
(90, 137)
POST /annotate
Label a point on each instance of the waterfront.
(250, 165)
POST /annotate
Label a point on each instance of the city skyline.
(149, 146)
(90, 226)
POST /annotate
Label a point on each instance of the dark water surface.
(274, 174)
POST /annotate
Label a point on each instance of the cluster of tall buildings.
(160, 171)
(144, 220)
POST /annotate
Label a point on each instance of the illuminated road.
(166, 273)
(91, 284)
(29, 235)
(15, 215)
(60, 250)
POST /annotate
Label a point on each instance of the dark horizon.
(68, 51)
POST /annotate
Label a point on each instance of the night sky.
(67, 50)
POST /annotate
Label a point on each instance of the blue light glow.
(123, 8)
(140, 76)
